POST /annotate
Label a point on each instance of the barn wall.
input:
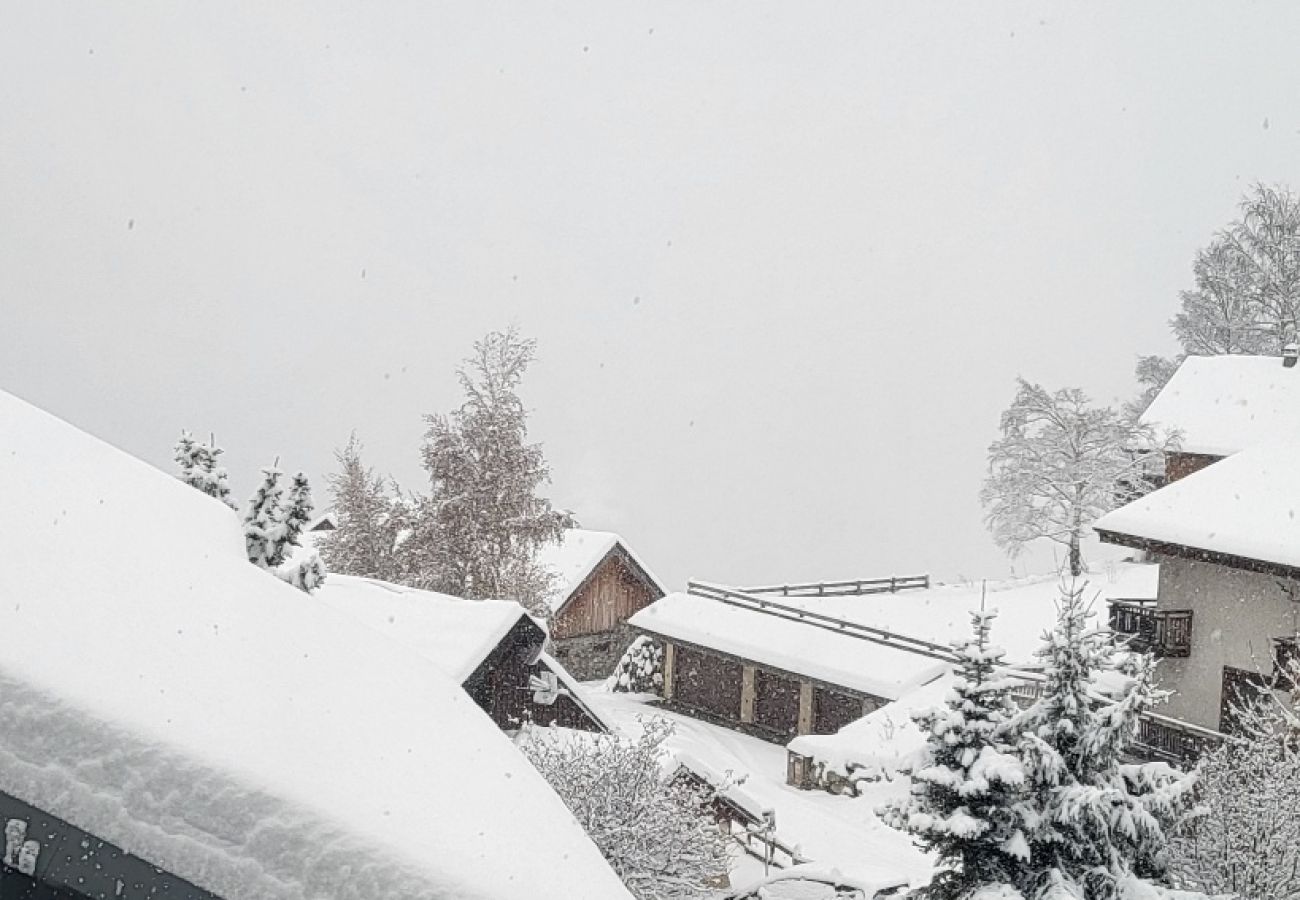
(612, 594)
(766, 703)
(1180, 465)
(590, 657)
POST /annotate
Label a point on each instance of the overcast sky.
(783, 261)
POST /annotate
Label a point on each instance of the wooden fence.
(745, 600)
(891, 585)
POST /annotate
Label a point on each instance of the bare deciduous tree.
(1060, 464)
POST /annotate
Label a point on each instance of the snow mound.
(162, 693)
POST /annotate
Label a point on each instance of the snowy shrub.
(640, 671)
(1248, 839)
(966, 785)
(660, 836)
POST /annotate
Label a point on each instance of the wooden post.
(805, 707)
(748, 684)
(670, 657)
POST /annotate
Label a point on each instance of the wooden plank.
(670, 655)
(747, 694)
(805, 707)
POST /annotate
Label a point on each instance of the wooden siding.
(708, 683)
(1180, 465)
(833, 710)
(776, 703)
(501, 687)
(615, 591)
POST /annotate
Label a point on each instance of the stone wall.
(590, 657)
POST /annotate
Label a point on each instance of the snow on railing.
(883, 636)
(891, 585)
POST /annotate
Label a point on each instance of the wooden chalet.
(493, 648)
(1224, 530)
(774, 670)
(601, 583)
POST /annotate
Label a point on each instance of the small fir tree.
(966, 787)
(306, 575)
(200, 468)
(262, 519)
(1096, 826)
(294, 517)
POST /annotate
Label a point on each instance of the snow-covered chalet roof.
(792, 646)
(165, 695)
(455, 634)
(1223, 404)
(576, 555)
(1246, 506)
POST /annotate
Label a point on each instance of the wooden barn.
(775, 671)
(492, 648)
(601, 584)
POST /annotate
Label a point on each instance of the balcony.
(1161, 739)
(1161, 632)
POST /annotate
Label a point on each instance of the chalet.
(774, 671)
(1224, 530)
(492, 648)
(1228, 538)
(179, 723)
(601, 583)
(1221, 405)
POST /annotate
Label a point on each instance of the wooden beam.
(748, 682)
(670, 657)
(805, 707)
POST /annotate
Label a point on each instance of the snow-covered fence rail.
(891, 585)
(793, 613)
(760, 843)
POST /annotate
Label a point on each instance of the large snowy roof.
(576, 555)
(1246, 506)
(454, 633)
(165, 695)
(1223, 404)
(789, 645)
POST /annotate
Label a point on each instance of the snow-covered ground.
(835, 832)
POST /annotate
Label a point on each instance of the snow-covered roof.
(1223, 404)
(165, 695)
(576, 555)
(455, 634)
(792, 646)
(1246, 506)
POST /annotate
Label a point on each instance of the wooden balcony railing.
(1162, 632)
(1172, 740)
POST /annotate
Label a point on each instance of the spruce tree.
(293, 518)
(371, 520)
(262, 519)
(1095, 824)
(966, 787)
(200, 469)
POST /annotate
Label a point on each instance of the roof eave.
(1198, 554)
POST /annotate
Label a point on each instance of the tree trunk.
(1076, 556)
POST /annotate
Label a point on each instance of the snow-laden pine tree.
(262, 522)
(966, 787)
(1060, 464)
(640, 670)
(293, 518)
(657, 833)
(477, 533)
(371, 520)
(1098, 827)
(200, 468)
